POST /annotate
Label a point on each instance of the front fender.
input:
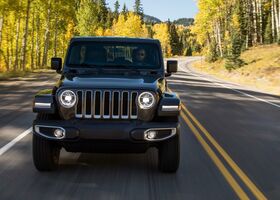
(44, 102)
(169, 105)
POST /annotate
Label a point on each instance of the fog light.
(151, 135)
(59, 133)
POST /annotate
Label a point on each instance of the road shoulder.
(256, 85)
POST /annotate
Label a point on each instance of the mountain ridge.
(148, 19)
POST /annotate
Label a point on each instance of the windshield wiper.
(123, 69)
(85, 65)
(90, 66)
(120, 66)
(91, 71)
(83, 71)
(70, 72)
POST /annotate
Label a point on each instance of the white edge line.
(238, 91)
(14, 141)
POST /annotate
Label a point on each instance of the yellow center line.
(246, 180)
(232, 182)
(253, 188)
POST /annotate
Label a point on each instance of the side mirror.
(172, 67)
(56, 64)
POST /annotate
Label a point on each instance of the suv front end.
(111, 112)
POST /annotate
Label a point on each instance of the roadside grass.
(22, 74)
(13, 74)
(262, 69)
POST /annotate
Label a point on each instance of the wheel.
(169, 155)
(45, 152)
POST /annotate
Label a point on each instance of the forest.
(226, 28)
(33, 31)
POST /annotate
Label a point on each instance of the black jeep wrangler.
(112, 97)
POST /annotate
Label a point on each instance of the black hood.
(153, 83)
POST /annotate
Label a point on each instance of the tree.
(18, 23)
(212, 53)
(161, 32)
(189, 52)
(228, 27)
(130, 26)
(116, 9)
(243, 20)
(268, 37)
(138, 8)
(102, 13)
(3, 11)
(32, 31)
(25, 36)
(176, 45)
(47, 32)
(233, 60)
(87, 21)
(124, 11)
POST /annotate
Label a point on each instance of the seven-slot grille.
(106, 104)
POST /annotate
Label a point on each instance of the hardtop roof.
(113, 39)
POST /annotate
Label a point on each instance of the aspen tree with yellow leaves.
(130, 26)
(161, 33)
(33, 31)
(225, 28)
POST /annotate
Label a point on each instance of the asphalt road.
(230, 146)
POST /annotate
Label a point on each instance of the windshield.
(93, 54)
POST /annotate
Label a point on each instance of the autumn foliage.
(33, 31)
(225, 28)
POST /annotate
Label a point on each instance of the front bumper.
(133, 131)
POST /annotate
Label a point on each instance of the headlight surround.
(67, 99)
(146, 100)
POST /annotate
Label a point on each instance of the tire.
(45, 152)
(169, 155)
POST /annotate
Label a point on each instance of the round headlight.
(67, 99)
(146, 100)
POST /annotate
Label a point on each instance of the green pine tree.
(138, 8)
(110, 19)
(233, 60)
(268, 38)
(243, 21)
(188, 52)
(150, 31)
(116, 9)
(212, 55)
(176, 45)
(124, 11)
(102, 13)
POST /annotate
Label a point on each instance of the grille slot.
(79, 107)
(88, 103)
(133, 105)
(106, 104)
(97, 104)
(125, 105)
(116, 105)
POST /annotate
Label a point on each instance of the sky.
(163, 9)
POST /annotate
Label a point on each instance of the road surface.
(230, 147)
